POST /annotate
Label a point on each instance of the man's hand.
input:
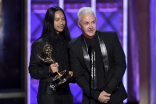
(53, 68)
(71, 73)
(104, 97)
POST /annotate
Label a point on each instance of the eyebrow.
(91, 21)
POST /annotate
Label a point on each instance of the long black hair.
(48, 26)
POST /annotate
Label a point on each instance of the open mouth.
(90, 31)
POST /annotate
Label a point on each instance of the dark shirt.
(60, 52)
(98, 61)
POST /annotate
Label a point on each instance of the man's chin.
(91, 35)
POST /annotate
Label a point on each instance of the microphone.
(93, 68)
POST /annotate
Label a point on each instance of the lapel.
(104, 53)
(85, 53)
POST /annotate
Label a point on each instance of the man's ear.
(79, 24)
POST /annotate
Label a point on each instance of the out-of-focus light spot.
(35, 6)
(100, 4)
(83, 5)
(51, 5)
(68, 5)
(107, 4)
(43, 6)
(75, 5)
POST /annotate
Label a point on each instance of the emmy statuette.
(62, 76)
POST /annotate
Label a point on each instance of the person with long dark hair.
(53, 44)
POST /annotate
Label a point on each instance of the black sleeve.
(79, 76)
(37, 69)
(120, 65)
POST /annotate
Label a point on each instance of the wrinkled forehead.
(87, 17)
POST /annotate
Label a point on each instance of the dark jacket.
(39, 69)
(113, 53)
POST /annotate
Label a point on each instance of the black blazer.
(114, 72)
(39, 69)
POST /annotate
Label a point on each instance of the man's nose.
(90, 25)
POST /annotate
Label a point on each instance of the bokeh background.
(21, 23)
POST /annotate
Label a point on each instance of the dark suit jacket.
(39, 69)
(114, 73)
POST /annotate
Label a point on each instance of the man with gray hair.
(98, 62)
